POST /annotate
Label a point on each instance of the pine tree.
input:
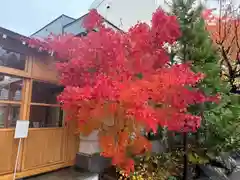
(220, 127)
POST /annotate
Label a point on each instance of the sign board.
(21, 130)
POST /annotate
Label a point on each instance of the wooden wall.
(47, 151)
(8, 151)
(72, 142)
(44, 69)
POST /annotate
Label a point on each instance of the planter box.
(89, 144)
(88, 157)
(93, 163)
(109, 174)
(107, 177)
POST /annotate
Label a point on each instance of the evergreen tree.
(220, 126)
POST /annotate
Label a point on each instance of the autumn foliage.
(120, 83)
(224, 31)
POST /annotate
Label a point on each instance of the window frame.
(25, 102)
(13, 102)
(12, 69)
(5, 121)
(44, 104)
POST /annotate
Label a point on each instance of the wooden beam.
(14, 72)
(24, 113)
(26, 99)
(29, 64)
(10, 102)
(46, 105)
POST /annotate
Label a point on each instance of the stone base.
(92, 163)
(92, 177)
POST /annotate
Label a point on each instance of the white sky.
(27, 16)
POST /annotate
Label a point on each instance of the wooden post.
(25, 105)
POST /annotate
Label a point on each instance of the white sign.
(21, 130)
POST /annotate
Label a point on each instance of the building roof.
(80, 25)
(11, 34)
(63, 15)
(14, 41)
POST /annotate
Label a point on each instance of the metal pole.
(185, 157)
(17, 158)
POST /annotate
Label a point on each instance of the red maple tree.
(224, 28)
(120, 83)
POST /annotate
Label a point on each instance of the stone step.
(88, 177)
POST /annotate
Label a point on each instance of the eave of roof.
(85, 16)
(63, 15)
(12, 34)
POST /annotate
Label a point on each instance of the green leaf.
(220, 125)
(196, 159)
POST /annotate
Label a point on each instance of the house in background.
(118, 14)
(64, 24)
(126, 13)
(56, 27)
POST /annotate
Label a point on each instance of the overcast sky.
(27, 16)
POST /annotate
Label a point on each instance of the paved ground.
(72, 174)
(64, 174)
(235, 175)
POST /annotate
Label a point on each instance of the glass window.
(45, 110)
(45, 92)
(45, 116)
(10, 88)
(12, 59)
(9, 114)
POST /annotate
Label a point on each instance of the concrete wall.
(76, 27)
(125, 13)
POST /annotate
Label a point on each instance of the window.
(12, 59)
(9, 114)
(45, 116)
(10, 88)
(45, 111)
(10, 97)
(45, 93)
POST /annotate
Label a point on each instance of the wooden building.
(28, 90)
